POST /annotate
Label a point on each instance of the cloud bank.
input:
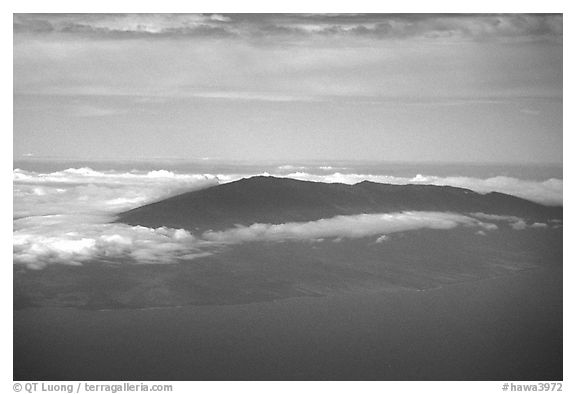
(515, 222)
(66, 217)
(548, 192)
(85, 191)
(294, 26)
(65, 240)
(75, 239)
(349, 226)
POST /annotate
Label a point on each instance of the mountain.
(266, 199)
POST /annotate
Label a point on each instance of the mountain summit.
(267, 199)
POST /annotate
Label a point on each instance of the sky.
(415, 87)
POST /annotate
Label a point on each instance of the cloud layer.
(350, 226)
(548, 192)
(401, 87)
(294, 26)
(66, 217)
(515, 222)
(59, 239)
(85, 191)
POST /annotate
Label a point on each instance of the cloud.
(548, 192)
(515, 222)
(84, 190)
(539, 225)
(123, 25)
(295, 26)
(290, 167)
(40, 241)
(350, 226)
(519, 225)
(87, 111)
(60, 239)
(66, 217)
(113, 191)
(385, 59)
(529, 111)
(251, 96)
(382, 238)
(492, 217)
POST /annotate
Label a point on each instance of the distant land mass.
(267, 199)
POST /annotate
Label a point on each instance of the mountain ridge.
(268, 199)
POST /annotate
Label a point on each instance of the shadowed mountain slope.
(273, 200)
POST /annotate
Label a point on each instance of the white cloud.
(252, 96)
(330, 168)
(351, 226)
(84, 190)
(65, 217)
(519, 225)
(515, 222)
(381, 239)
(290, 167)
(65, 240)
(547, 192)
(302, 26)
(539, 225)
(76, 239)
